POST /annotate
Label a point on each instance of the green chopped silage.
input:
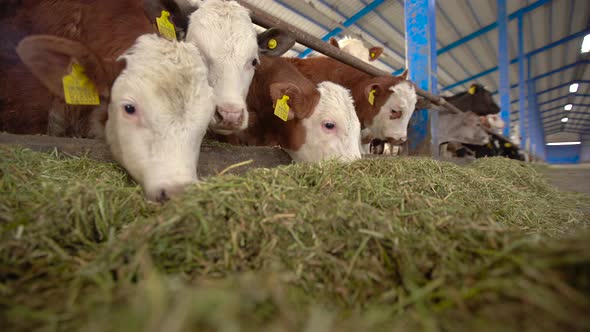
(381, 244)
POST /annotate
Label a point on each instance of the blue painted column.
(504, 64)
(421, 61)
(541, 131)
(533, 132)
(521, 86)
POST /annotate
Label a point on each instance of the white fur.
(461, 128)
(343, 143)
(226, 37)
(402, 99)
(496, 122)
(355, 47)
(167, 83)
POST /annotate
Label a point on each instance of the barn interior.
(432, 237)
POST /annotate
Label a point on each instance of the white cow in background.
(357, 49)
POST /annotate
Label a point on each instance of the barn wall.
(585, 151)
(564, 154)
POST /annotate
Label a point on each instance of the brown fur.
(106, 27)
(273, 78)
(322, 69)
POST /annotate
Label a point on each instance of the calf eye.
(255, 62)
(329, 125)
(129, 109)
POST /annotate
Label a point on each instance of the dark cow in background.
(477, 100)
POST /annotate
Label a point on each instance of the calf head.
(159, 103)
(492, 122)
(357, 49)
(323, 129)
(477, 100)
(464, 127)
(386, 106)
(229, 45)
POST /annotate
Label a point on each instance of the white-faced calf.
(159, 105)
(230, 46)
(384, 104)
(321, 123)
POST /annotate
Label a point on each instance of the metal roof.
(467, 41)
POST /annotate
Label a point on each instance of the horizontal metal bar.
(555, 88)
(491, 27)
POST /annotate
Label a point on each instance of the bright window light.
(565, 143)
(568, 107)
(574, 87)
(586, 44)
(564, 120)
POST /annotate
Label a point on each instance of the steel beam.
(491, 27)
(554, 88)
(521, 82)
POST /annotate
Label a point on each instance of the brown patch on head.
(375, 52)
(381, 85)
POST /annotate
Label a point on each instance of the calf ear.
(275, 42)
(179, 10)
(280, 89)
(50, 58)
(372, 91)
(334, 42)
(404, 74)
(375, 52)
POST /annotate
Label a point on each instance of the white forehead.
(403, 97)
(355, 48)
(171, 72)
(223, 29)
(337, 104)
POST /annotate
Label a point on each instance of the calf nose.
(163, 193)
(397, 141)
(229, 117)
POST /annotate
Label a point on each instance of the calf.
(321, 123)
(227, 39)
(107, 28)
(357, 49)
(159, 105)
(492, 122)
(477, 100)
(384, 104)
(462, 128)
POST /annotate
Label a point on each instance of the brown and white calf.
(383, 104)
(357, 49)
(321, 122)
(153, 91)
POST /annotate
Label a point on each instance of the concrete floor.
(570, 177)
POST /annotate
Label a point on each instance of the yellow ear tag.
(507, 145)
(373, 55)
(165, 27)
(282, 108)
(372, 97)
(472, 90)
(78, 88)
(272, 44)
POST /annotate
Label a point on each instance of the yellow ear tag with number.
(272, 44)
(472, 90)
(166, 27)
(507, 145)
(282, 108)
(78, 88)
(372, 97)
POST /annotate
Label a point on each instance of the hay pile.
(397, 245)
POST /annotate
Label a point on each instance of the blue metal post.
(421, 61)
(521, 84)
(504, 64)
(533, 125)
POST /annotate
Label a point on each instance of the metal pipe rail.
(265, 20)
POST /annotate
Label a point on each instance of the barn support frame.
(504, 65)
(521, 85)
(421, 61)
